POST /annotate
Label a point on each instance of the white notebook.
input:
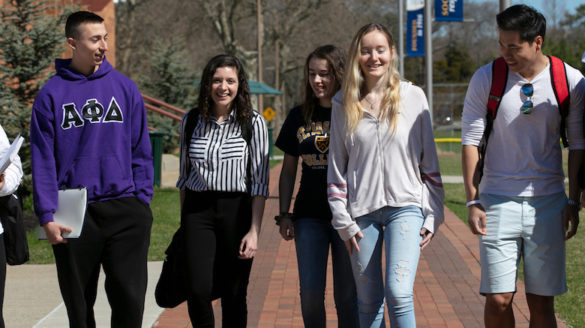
(70, 212)
(11, 154)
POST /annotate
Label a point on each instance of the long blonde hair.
(353, 82)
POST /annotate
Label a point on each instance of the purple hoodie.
(89, 131)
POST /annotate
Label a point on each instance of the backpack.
(15, 243)
(560, 86)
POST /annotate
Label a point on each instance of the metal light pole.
(401, 37)
(429, 54)
(259, 18)
(504, 4)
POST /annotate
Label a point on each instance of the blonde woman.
(384, 185)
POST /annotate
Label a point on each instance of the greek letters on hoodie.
(89, 131)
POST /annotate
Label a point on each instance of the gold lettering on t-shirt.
(316, 128)
(301, 133)
(316, 159)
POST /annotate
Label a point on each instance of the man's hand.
(55, 232)
(1, 180)
(287, 228)
(352, 243)
(476, 220)
(570, 215)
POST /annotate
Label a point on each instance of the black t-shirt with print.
(312, 145)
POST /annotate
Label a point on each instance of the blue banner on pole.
(415, 45)
(449, 10)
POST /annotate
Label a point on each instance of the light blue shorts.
(528, 227)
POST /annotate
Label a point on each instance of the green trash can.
(156, 142)
(270, 142)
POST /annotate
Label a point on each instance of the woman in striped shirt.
(224, 185)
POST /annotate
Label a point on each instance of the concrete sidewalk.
(32, 298)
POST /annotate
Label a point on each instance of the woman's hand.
(352, 243)
(287, 228)
(427, 236)
(248, 246)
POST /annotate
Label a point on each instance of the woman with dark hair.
(305, 134)
(224, 185)
(384, 185)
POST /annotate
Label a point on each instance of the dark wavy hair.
(528, 22)
(241, 103)
(335, 58)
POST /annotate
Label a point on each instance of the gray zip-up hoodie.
(371, 168)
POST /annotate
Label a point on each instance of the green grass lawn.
(571, 304)
(166, 211)
(455, 199)
(450, 163)
(447, 147)
(449, 152)
(40, 251)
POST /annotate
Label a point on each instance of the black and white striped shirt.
(218, 155)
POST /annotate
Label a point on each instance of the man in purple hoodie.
(88, 129)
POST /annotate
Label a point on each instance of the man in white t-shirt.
(523, 211)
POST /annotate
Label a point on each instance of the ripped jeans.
(399, 229)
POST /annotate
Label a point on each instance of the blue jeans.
(399, 229)
(312, 239)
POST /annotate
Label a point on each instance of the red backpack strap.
(560, 86)
(499, 80)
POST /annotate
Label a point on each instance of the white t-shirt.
(523, 156)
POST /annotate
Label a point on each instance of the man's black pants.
(115, 236)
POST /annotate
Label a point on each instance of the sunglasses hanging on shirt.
(528, 91)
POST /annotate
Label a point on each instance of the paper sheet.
(70, 212)
(11, 154)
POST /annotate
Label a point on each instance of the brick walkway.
(446, 287)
